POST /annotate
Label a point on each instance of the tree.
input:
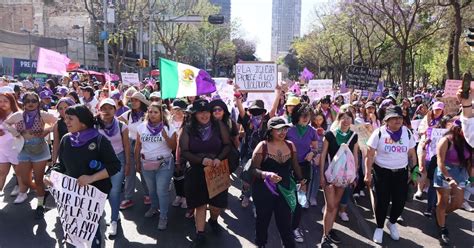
(407, 23)
(245, 50)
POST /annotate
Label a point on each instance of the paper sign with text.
(130, 78)
(262, 76)
(414, 126)
(79, 207)
(52, 62)
(434, 134)
(363, 132)
(451, 87)
(451, 105)
(217, 178)
(319, 88)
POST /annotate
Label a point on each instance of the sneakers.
(151, 212)
(298, 235)
(417, 195)
(245, 202)
(444, 236)
(126, 204)
(333, 237)
(162, 224)
(184, 205)
(216, 228)
(20, 198)
(313, 202)
(427, 213)
(344, 217)
(356, 195)
(400, 219)
(378, 236)
(393, 230)
(112, 230)
(15, 191)
(177, 201)
(147, 200)
(325, 242)
(39, 213)
(466, 206)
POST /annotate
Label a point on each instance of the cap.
(393, 111)
(108, 101)
(200, 105)
(277, 123)
(370, 105)
(115, 95)
(155, 94)
(292, 101)
(179, 104)
(438, 105)
(62, 90)
(6, 89)
(45, 94)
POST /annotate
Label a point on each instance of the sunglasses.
(217, 110)
(33, 101)
(282, 130)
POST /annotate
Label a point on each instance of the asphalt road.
(19, 229)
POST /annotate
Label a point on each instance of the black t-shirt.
(74, 161)
(252, 138)
(334, 147)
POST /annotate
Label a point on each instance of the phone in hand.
(466, 85)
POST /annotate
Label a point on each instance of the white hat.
(6, 89)
(155, 94)
(108, 101)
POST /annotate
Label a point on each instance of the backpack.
(342, 169)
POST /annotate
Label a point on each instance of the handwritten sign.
(130, 78)
(258, 77)
(80, 208)
(217, 178)
(52, 62)
(363, 78)
(434, 134)
(319, 88)
(451, 105)
(225, 92)
(267, 98)
(414, 125)
(363, 132)
(451, 87)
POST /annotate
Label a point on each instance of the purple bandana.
(80, 138)
(256, 122)
(435, 121)
(395, 136)
(137, 115)
(154, 129)
(271, 186)
(121, 110)
(205, 131)
(29, 118)
(112, 129)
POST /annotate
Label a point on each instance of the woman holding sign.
(156, 140)
(203, 142)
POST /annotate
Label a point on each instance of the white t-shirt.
(116, 140)
(154, 147)
(132, 127)
(390, 154)
(92, 105)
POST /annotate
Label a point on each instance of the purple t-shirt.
(302, 144)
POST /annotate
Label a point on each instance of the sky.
(255, 18)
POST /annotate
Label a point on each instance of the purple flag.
(307, 74)
(295, 88)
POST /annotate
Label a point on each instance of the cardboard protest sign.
(363, 132)
(225, 92)
(363, 78)
(451, 87)
(451, 105)
(130, 78)
(256, 76)
(217, 178)
(52, 62)
(319, 88)
(434, 134)
(414, 126)
(267, 98)
(80, 208)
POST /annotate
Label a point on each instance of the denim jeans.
(129, 189)
(114, 195)
(158, 182)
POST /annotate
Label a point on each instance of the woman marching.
(60, 128)
(332, 193)
(117, 133)
(32, 125)
(389, 148)
(156, 141)
(203, 142)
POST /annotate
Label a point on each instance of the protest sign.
(451, 105)
(434, 134)
(451, 87)
(266, 97)
(225, 92)
(217, 178)
(319, 88)
(80, 208)
(363, 78)
(256, 76)
(130, 79)
(414, 126)
(363, 132)
(52, 62)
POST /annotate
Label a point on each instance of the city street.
(19, 229)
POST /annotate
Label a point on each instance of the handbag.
(151, 165)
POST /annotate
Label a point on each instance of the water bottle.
(96, 165)
(302, 200)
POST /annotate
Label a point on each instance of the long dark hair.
(459, 143)
(300, 110)
(192, 124)
(13, 105)
(143, 107)
(75, 96)
(324, 125)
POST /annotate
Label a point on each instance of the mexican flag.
(181, 80)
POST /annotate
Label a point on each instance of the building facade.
(286, 25)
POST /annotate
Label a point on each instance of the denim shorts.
(457, 172)
(44, 155)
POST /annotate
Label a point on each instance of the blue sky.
(255, 18)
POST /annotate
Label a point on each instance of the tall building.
(286, 25)
(225, 8)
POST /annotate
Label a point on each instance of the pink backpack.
(342, 169)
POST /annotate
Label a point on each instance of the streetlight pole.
(83, 42)
(30, 64)
(205, 40)
(140, 48)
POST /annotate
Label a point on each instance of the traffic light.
(144, 63)
(470, 38)
(139, 63)
(215, 19)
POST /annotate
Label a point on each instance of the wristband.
(468, 106)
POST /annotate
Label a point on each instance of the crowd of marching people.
(108, 134)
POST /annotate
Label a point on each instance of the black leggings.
(179, 183)
(266, 204)
(389, 186)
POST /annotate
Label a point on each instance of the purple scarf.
(29, 118)
(256, 122)
(112, 129)
(205, 131)
(435, 121)
(271, 186)
(395, 136)
(154, 129)
(137, 115)
(80, 138)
